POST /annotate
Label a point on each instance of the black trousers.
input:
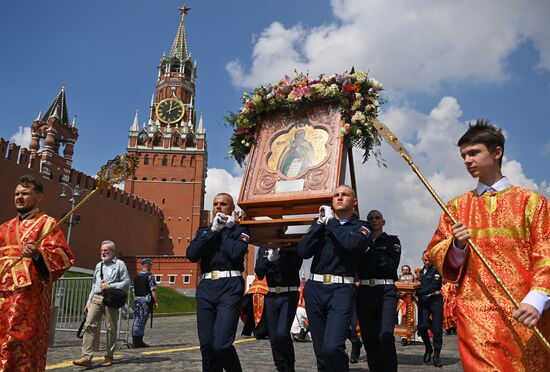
(376, 307)
(281, 310)
(433, 306)
(329, 309)
(218, 307)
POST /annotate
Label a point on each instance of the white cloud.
(408, 45)
(22, 137)
(220, 180)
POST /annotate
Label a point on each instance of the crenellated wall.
(133, 223)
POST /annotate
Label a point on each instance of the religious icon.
(297, 156)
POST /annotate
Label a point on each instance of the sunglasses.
(370, 218)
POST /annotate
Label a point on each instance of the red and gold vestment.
(512, 230)
(26, 291)
(448, 291)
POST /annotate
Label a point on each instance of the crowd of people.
(350, 293)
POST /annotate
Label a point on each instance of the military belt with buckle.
(216, 274)
(278, 290)
(331, 279)
(375, 282)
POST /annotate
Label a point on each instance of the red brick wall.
(133, 224)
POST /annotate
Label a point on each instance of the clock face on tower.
(170, 110)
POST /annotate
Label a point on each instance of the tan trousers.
(92, 327)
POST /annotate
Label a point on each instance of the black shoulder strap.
(101, 272)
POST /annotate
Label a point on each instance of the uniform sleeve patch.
(397, 247)
(364, 230)
(245, 237)
(437, 276)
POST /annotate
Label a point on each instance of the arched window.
(142, 139)
(182, 163)
(146, 159)
(175, 67)
(174, 160)
(176, 140)
(192, 162)
(144, 179)
(188, 69)
(165, 160)
(190, 140)
(157, 140)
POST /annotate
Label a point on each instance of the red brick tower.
(171, 149)
(49, 133)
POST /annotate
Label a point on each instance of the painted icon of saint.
(298, 156)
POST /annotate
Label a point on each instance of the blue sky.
(442, 63)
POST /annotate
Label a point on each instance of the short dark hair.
(482, 131)
(227, 195)
(27, 180)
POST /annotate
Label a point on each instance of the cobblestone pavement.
(174, 347)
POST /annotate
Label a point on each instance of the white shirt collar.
(498, 186)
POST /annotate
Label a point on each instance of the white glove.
(325, 214)
(219, 222)
(273, 255)
(230, 221)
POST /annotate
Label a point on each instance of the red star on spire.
(184, 10)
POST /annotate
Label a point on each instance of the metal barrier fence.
(69, 298)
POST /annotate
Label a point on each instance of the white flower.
(358, 132)
(332, 90)
(360, 76)
(358, 96)
(358, 117)
(375, 84)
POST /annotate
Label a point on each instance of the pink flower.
(300, 92)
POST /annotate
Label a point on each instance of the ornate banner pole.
(393, 141)
(115, 171)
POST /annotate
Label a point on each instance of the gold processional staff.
(393, 141)
(115, 171)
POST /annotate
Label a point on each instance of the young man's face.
(406, 270)
(222, 204)
(479, 161)
(425, 261)
(376, 219)
(343, 199)
(26, 198)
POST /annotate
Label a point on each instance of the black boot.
(134, 342)
(138, 342)
(428, 353)
(355, 352)
(437, 361)
(290, 368)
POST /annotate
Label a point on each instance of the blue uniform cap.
(146, 261)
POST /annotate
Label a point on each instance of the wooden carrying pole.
(393, 141)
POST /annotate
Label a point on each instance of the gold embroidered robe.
(512, 230)
(26, 290)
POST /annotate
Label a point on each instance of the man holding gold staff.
(26, 288)
(511, 227)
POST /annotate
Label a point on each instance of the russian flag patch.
(397, 247)
(364, 230)
(245, 237)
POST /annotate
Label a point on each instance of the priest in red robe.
(26, 288)
(511, 228)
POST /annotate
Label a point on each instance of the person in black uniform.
(377, 296)
(430, 302)
(221, 248)
(335, 241)
(281, 268)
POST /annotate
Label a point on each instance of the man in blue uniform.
(335, 241)
(145, 297)
(281, 268)
(221, 248)
(377, 296)
(430, 302)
